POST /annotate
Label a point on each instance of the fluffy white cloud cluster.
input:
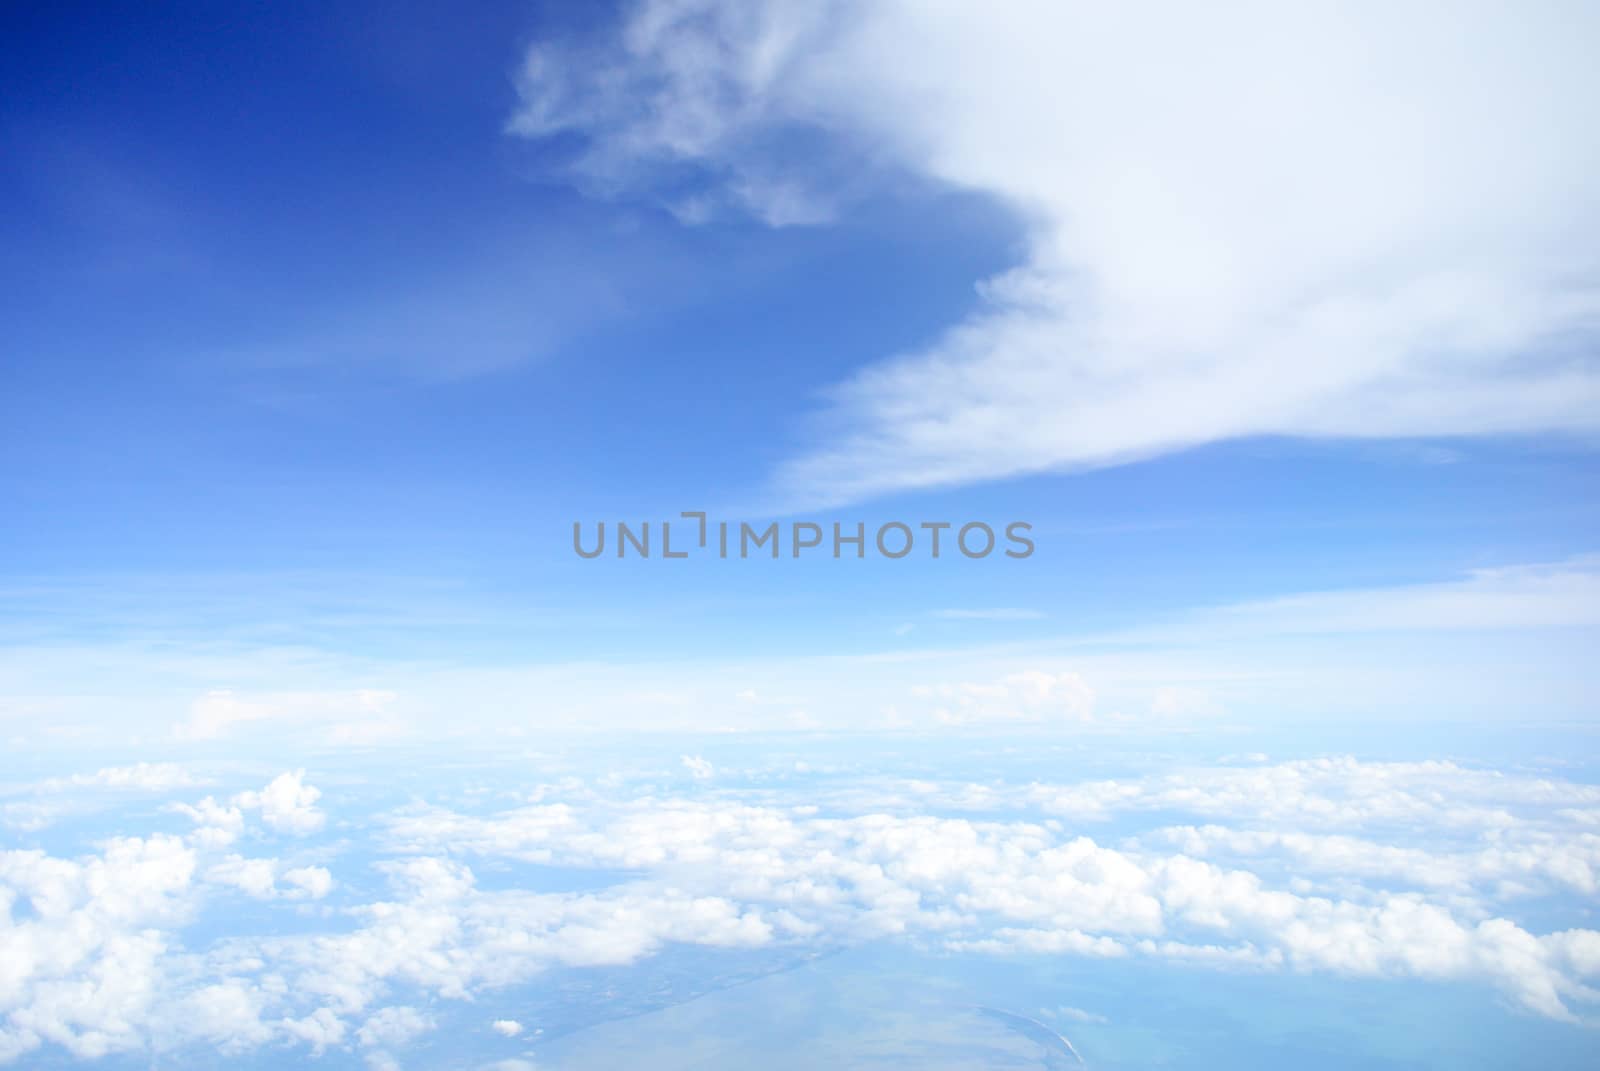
(1297, 865)
(996, 886)
(1323, 220)
(260, 878)
(1323, 824)
(78, 968)
(91, 956)
(287, 804)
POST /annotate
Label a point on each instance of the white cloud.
(1337, 792)
(82, 969)
(257, 877)
(319, 1030)
(1544, 595)
(1031, 696)
(139, 777)
(310, 882)
(1509, 863)
(357, 717)
(49, 800)
(217, 825)
(996, 887)
(1076, 1015)
(260, 878)
(1338, 220)
(1261, 662)
(393, 1027)
(699, 768)
(1403, 869)
(215, 713)
(286, 804)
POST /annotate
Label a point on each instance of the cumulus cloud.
(261, 878)
(287, 804)
(310, 882)
(393, 1027)
(319, 1030)
(1019, 886)
(91, 956)
(81, 969)
(1325, 220)
(1299, 865)
(217, 825)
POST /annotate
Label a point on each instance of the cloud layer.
(1360, 869)
(1324, 220)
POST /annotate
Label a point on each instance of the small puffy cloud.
(267, 879)
(507, 1028)
(217, 825)
(227, 1014)
(393, 1027)
(310, 882)
(287, 804)
(700, 769)
(255, 877)
(319, 1030)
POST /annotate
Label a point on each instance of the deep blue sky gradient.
(283, 299)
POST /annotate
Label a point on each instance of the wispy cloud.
(1342, 221)
(1548, 595)
(1442, 644)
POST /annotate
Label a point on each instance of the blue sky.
(300, 317)
(322, 333)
